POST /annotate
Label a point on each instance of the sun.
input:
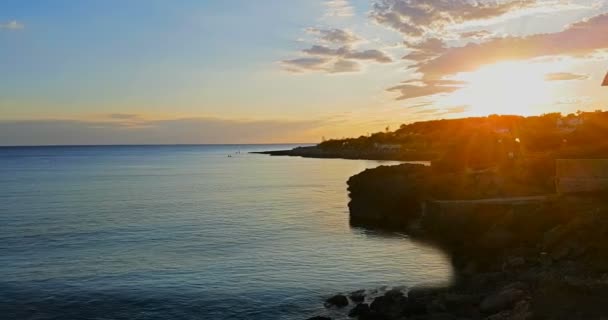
(504, 88)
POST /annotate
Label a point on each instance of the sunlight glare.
(504, 88)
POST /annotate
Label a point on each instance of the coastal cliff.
(543, 257)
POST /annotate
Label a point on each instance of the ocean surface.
(186, 232)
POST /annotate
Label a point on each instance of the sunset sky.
(242, 71)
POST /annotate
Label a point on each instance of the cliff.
(542, 257)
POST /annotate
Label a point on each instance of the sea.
(188, 232)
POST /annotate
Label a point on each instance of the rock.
(359, 310)
(497, 239)
(415, 307)
(470, 268)
(505, 315)
(391, 304)
(461, 304)
(503, 299)
(482, 281)
(374, 316)
(338, 300)
(436, 306)
(319, 318)
(358, 296)
(551, 237)
(521, 311)
(422, 292)
(441, 316)
(394, 294)
(516, 262)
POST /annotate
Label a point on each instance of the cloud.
(338, 8)
(12, 25)
(177, 131)
(563, 76)
(372, 54)
(123, 116)
(456, 110)
(425, 50)
(330, 60)
(300, 65)
(320, 64)
(335, 36)
(579, 39)
(411, 89)
(417, 18)
(477, 34)
(342, 66)
(435, 62)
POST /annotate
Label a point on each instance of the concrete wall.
(581, 175)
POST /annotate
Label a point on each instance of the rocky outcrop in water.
(539, 260)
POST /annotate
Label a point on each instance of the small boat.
(605, 83)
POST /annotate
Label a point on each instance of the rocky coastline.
(546, 259)
(354, 154)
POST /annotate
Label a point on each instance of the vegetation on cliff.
(482, 142)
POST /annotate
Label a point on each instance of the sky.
(275, 71)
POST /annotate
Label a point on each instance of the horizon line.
(154, 145)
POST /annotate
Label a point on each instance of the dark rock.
(497, 239)
(358, 296)
(415, 307)
(319, 318)
(436, 306)
(422, 292)
(374, 316)
(516, 262)
(391, 304)
(360, 310)
(461, 304)
(441, 316)
(553, 236)
(503, 299)
(338, 300)
(394, 294)
(482, 281)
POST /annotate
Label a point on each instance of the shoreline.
(540, 259)
(351, 154)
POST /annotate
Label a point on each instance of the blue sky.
(300, 68)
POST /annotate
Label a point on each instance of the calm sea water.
(185, 232)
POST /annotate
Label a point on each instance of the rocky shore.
(541, 260)
(354, 153)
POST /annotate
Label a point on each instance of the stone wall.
(581, 175)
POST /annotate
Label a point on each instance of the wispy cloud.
(420, 18)
(436, 62)
(12, 25)
(578, 39)
(338, 8)
(417, 18)
(335, 36)
(417, 89)
(340, 60)
(564, 76)
(336, 53)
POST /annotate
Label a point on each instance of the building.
(387, 147)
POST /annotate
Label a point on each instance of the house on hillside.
(387, 147)
(569, 123)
